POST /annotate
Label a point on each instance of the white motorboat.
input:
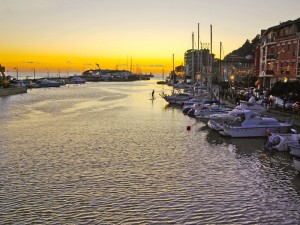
(256, 126)
(216, 121)
(77, 80)
(252, 104)
(203, 112)
(48, 83)
(281, 141)
(176, 98)
(296, 161)
(295, 152)
(189, 104)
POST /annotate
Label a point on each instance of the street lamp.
(16, 69)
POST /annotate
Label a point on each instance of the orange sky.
(75, 34)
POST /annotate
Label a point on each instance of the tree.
(288, 90)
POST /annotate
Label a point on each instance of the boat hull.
(296, 161)
(294, 150)
(12, 91)
(215, 125)
(253, 131)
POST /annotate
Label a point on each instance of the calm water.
(103, 153)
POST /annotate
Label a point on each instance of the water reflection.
(104, 154)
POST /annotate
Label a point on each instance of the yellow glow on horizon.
(24, 61)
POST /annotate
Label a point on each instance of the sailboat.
(163, 81)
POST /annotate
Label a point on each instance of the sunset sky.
(75, 34)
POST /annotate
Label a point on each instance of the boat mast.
(193, 72)
(220, 70)
(173, 72)
(198, 48)
(211, 57)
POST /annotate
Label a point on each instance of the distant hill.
(247, 48)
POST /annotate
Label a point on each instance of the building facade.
(279, 54)
(197, 63)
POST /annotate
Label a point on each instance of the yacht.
(205, 111)
(295, 152)
(216, 121)
(253, 125)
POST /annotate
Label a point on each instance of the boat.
(161, 82)
(48, 83)
(295, 152)
(7, 87)
(281, 141)
(190, 103)
(252, 104)
(204, 111)
(77, 80)
(12, 91)
(176, 98)
(253, 125)
(296, 161)
(216, 121)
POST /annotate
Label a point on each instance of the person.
(153, 94)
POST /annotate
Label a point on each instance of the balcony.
(270, 40)
(285, 37)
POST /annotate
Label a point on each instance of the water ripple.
(104, 156)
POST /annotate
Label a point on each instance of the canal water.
(104, 153)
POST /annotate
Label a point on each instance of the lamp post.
(16, 69)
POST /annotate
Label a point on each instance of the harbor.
(65, 158)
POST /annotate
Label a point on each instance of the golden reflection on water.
(107, 154)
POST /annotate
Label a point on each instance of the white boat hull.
(215, 125)
(281, 142)
(296, 161)
(253, 131)
(295, 149)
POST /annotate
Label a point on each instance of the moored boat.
(281, 141)
(256, 126)
(12, 91)
(7, 87)
(295, 152)
(176, 98)
(48, 83)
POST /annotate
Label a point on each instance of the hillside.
(247, 48)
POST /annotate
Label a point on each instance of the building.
(197, 63)
(279, 53)
(238, 66)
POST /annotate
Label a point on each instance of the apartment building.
(278, 53)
